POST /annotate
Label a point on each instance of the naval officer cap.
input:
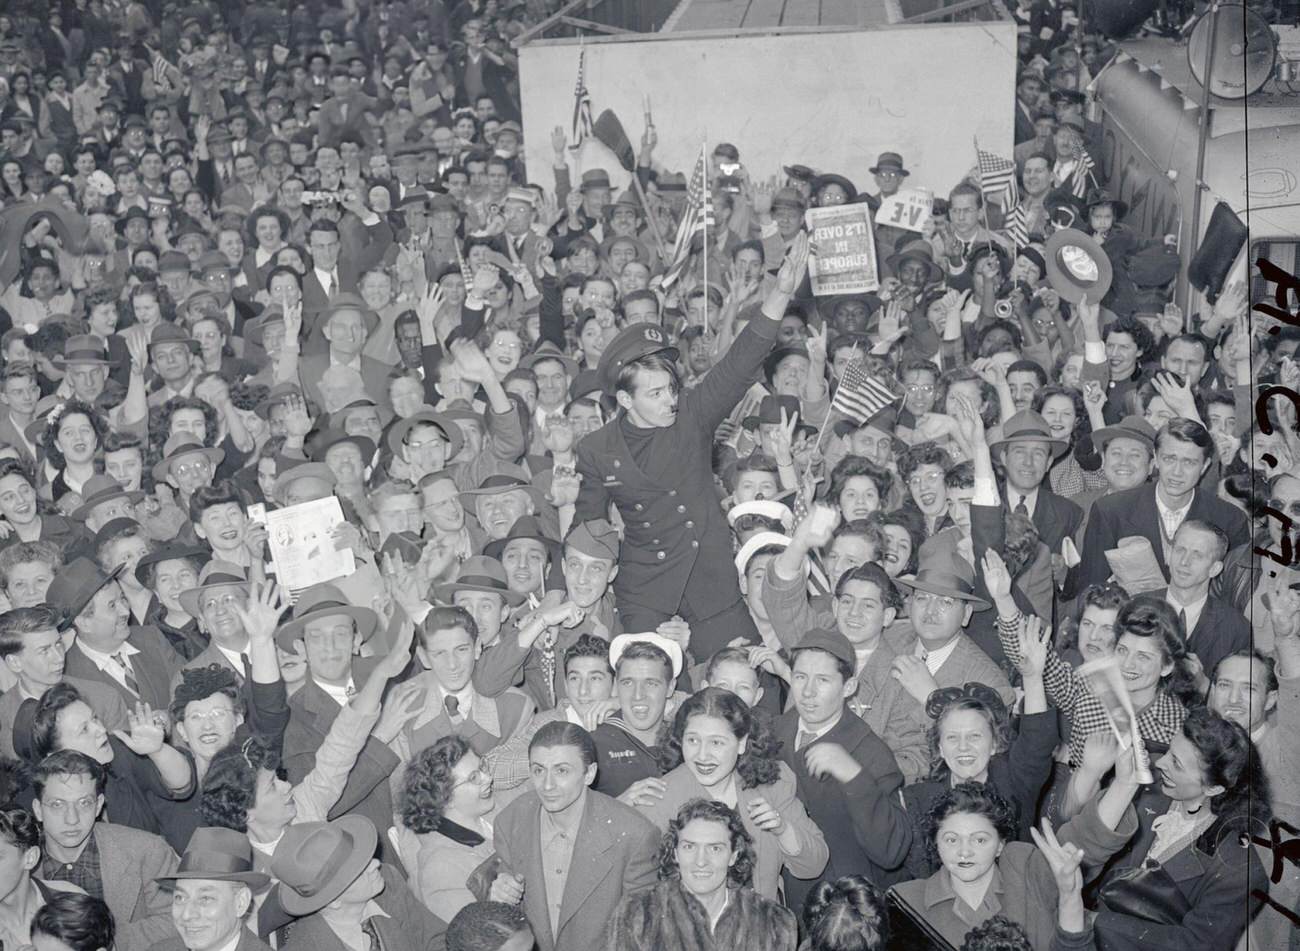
(631, 344)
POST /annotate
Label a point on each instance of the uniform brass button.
(661, 556)
(689, 523)
(655, 542)
(681, 508)
(695, 544)
(672, 492)
(617, 463)
(645, 524)
(638, 506)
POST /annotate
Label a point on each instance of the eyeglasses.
(920, 387)
(933, 478)
(213, 716)
(479, 778)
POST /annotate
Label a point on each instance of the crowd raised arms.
(402, 549)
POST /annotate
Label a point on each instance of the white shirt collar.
(1192, 611)
(1031, 498)
(810, 734)
(936, 658)
(339, 694)
(235, 657)
(106, 662)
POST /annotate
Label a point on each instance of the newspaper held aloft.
(1106, 682)
(301, 538)
(845, 242)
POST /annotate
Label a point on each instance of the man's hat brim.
(1069, 286)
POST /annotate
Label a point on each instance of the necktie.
(803, 739)
(1182, 616)
(453, 707)
(1021, 508)
(343, 112)
(125, 663)
(370, 931)
(332, 288)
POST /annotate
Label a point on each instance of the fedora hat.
(546, 350)
(218, 855)
(74, 585)
(499, 483)
(255, 329)
(306, 470)
(170, 333)
(315, 862)
(329, 438)
(173, 552)
(1077, 265)
(1027, 426)
(917, 250)
(99, 489)
(183, 444)
(481, 574)
(1130, 427)
(889, 162)
(84, 349)
(350, 302)
(526, 526)
(278, 394)
(595, 178)
(324, 600)
(946, 573)
(215, 574)
(443, 421)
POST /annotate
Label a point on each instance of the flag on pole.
(859, 396)
(582, 124)
(1081, 179)
(609, 130)
(1017, 227)
(698, 217)
(997, 179)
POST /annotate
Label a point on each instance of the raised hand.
(969, 424)
(1064, 858)
(996, 576)
(471, 362)
(1100, 750)
(795, 265)
(145, 736)
(565, 487)
(817, 346)
(1035, 638)
(818, 526)
(266, 602)
(558, 141)
(399, 709)
(297, 422)
(783, 439)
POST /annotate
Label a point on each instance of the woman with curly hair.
(982, 871)
(72, 437)
(703, 901)
(848, 914)
(858, 487)
(903, 531)
(922, 469)
(1152, 656)
(971, 740)
(40, 293)
(446, 811)
(720, 750)
(1072, 419)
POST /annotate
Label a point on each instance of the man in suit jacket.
(677, 551)
(351, 897)
(213, 888)
(340, 256)
(570, 852)
(137, 662)
(846, 776)
(1184, 451)
(113, 862)
(345, 324)
(1027, 450)
(933, 653)
(344, 113)
(1029, 87)
(1212, 628)
(330, 630)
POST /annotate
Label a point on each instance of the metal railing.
(601, 16)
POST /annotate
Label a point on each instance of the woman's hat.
(324, 600)
(948, 574)
(219, 855)
(1099, 196)
(171, 553)
(315, 862)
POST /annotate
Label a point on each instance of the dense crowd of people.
(650, 641)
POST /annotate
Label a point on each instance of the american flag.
(697, 217)
(859, 396)
(997, 179)
(582, 124)
(1081, 179)
(1017, 227)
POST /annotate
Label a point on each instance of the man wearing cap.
(782, 223)
(187, 465)
(586, 606)
(646, 670)
(221, 589)
(212, 894)
(501, 500)
(342, 896)
(654, 463)
(137, 663)
(171, 353)
(329, 631)
(846, 776)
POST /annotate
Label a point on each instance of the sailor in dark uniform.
(654, 462)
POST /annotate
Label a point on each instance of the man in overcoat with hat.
(653, 462)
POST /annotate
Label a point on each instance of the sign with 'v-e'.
(908, 208)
